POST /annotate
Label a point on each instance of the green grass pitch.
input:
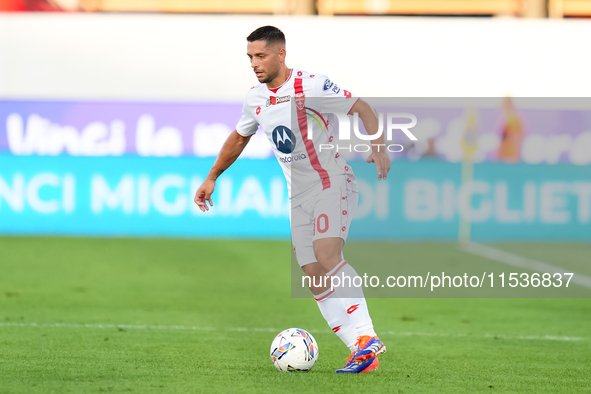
(84, 315)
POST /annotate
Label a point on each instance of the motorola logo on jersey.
(293, 158)
(284, 139)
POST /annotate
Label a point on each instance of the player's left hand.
(382, 161)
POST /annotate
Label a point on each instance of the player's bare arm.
(232, 148)
(379, 156)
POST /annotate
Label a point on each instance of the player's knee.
(328, 252)
(313, 269)
(315, 278)
(327, 258)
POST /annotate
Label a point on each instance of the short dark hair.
(270, 34)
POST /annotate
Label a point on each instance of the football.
(294, 350)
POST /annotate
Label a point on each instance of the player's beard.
(271, 76)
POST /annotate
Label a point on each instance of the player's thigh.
(333, 214)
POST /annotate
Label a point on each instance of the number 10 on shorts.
(321, 223)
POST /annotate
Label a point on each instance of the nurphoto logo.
(392, 123)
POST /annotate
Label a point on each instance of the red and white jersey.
(308, 168)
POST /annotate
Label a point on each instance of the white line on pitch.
(514, 260)
(276, 330)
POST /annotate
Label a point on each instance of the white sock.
(337, 317)
(353, 299)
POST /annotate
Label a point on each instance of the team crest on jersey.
(277, 100)
(284, 139)
(300, 100)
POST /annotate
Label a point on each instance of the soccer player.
(322, 187)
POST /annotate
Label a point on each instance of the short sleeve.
(339, 99)
(247, 125)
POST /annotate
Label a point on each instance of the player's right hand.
(203, 195)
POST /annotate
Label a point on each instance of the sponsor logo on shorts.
(327, 84)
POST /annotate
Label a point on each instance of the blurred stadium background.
(112, 112)
(521, 8)
(161, 92)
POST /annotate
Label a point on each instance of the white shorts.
(326, 215)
